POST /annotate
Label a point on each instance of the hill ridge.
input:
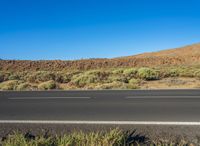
(187, 55)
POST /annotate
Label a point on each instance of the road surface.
(102, 106)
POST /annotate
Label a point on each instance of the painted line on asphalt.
(101, 122)
(37, 98)
(163, 97)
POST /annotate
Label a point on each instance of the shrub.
(4, 76)
(117, 78)
(174, 72)
(133, 81)
(9, 85)
(1, 77)
(82, 80)
(40, 76)
(197, 73)
(89, 77)
(147, 74)
(178, 72)
(23, 86)
(47, 85)
(14, 77)
(118, 71)
(130, 72)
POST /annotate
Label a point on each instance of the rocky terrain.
(188, 55)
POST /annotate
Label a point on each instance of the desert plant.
(23, 86)
(89, 77)
(174, 72)
(4, 76)
(112, 137)
(118, 71)
(1, 77)
(47, 85)
(117, 78)
(9, 85)
(133, 81)
(14, 76)
(130, 72)
(148, 74)
(197, 73)
(40, 76)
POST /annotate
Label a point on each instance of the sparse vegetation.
(47, 85)
(9, 85)
(113, 137)
(148, 74)
(24, 86)
(123, 78)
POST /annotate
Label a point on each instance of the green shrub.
(59, 77)
(9, 85)
(14, 77)
(197, 73)
(118, 71)
(89, 77)
(148, 74)
(130, 72)
(47, 85)
(82, 80)
(174, 72)
(117, 78)
(1, 77)
(40, 76)
(23, 86)
(4, 76)
(133, 81)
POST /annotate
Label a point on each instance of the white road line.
(160, 97)
(101, 122)
(36, 98)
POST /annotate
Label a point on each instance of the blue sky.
(75, 29)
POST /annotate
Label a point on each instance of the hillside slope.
(188, 55)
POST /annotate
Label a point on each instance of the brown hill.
(189, 55)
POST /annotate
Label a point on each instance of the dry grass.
(113, 137)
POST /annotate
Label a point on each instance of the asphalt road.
(109, 105)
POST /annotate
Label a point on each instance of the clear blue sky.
(74, 29)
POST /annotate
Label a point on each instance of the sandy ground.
(172, 83)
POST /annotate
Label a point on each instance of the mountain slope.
(189, 55)
(191, 50)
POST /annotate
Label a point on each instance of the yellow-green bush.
(9, 85)
(13, 77)
(148, 74)
(88, 78)
(197, 73)
(47, 85)
(24, 86)
(4, 76)
(117, 78)
(118, 71)
(40, 76)
(130, 72)
(133, 81)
